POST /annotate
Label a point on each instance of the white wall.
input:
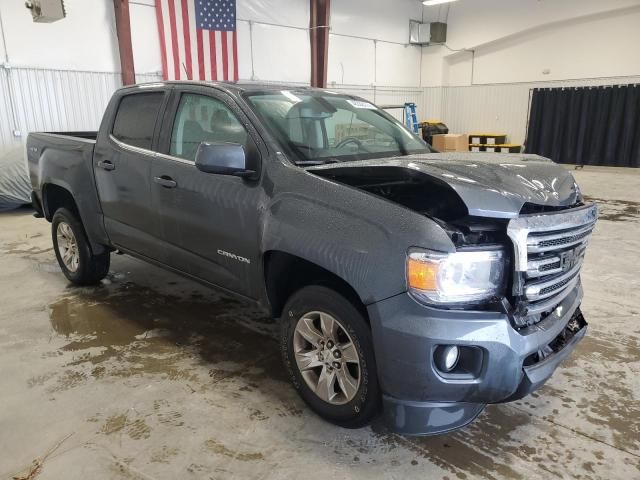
(369, 43)
(85, 40)
(574, 42)
(515, 41)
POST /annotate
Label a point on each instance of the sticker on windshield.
(361, 104)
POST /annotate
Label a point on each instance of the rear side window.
(136, 118)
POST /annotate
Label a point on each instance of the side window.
(203, 119)
(136, 118)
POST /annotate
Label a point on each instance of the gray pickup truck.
(427, 284)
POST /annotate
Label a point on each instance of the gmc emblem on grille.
(569, 259)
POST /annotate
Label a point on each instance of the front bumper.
(419, 400)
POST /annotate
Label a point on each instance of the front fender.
(357, 236)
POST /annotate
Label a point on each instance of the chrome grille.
(549, 251)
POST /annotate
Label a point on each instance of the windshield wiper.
(310, 163)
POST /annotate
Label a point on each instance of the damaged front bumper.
(421, 400)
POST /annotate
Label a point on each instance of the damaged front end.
(533, 208)
(509, 342)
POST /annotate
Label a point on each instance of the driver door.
(209, 222)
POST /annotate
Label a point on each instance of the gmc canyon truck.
(425, 284)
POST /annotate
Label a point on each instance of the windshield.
(321, 127)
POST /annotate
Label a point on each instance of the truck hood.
(493, 185)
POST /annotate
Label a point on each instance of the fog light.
(446, 357)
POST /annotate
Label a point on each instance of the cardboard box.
(451, 142)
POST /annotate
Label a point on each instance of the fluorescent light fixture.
(430, 3)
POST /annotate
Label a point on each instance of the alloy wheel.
(68, 246)
(327, 357)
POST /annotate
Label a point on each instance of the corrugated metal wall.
(500, 108)
(6, 120)
(44, 100)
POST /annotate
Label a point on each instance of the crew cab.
(422, 284)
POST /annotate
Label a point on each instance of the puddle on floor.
(616, 210)
(122, 329)
(603, 366)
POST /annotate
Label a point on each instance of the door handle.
(166, 181)
(106, 165)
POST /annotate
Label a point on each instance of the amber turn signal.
(422, 275)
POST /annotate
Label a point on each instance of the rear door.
(210, 222)
(122, 163)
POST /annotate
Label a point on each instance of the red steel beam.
(319, 36)
(123, 30)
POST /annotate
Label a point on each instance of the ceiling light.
(430, 3)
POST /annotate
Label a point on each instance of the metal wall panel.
(7, 140)
(54, 100)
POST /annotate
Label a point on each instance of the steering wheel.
(349, 140)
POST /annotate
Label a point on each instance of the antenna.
(186, 71)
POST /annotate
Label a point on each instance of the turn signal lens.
(422, 274)
(460, 277)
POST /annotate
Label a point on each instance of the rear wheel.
(74, 254)
(328, 352)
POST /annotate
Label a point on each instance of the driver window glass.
(203, 119)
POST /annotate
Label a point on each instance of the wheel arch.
(285, 273)
(54, 197)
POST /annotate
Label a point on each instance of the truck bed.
(64, 161)
(86, 135)
(59, 155)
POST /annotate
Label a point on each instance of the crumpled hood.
(490, 184)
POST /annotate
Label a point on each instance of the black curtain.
(586, 125)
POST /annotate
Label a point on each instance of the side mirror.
(223, 159)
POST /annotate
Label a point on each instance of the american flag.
(198, 39)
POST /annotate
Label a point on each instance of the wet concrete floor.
(153, 376)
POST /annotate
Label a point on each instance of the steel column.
(319, 36)
(123, 29)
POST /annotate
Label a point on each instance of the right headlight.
(455, 278)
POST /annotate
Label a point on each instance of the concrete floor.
(153, 376)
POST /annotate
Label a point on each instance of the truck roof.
(235, 87)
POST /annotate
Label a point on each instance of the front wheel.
(328, 352)
(74, 254)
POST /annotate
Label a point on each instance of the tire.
(85, 268)
(353, 405)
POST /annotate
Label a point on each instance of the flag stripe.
(219, 53)
(225, 57)
(193, 37)
(174, 40)
(181, 46)
(202, 75)
(163, 48)
(187, 39)
(235, 57)
(208, 74)
(213, 58)
(198, 39)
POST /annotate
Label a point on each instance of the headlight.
(454, 278)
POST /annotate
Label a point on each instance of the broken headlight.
(460, 277)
